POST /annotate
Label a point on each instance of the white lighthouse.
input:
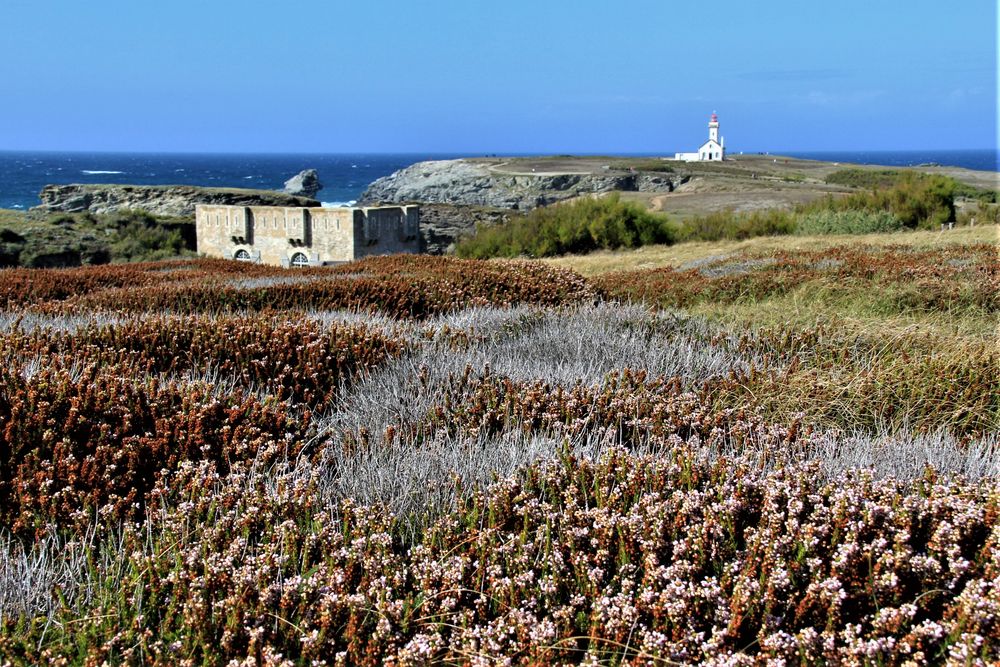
(711, 150)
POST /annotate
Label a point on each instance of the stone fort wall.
(283, 236)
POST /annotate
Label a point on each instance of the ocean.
(345, 177)
(982, 160)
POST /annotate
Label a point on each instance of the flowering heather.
(412, 460)
(640, 559)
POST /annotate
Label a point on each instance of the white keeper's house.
(713, 149)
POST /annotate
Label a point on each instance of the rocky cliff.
(471, 183)
(458, 195)
(442, 224)
(161, 200)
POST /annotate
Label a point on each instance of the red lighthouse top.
(714, 119)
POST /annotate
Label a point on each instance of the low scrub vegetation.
(58, 240)
(402, 285)
(867, 179)
(587, 224)
(890, 201)
(889, 280)
(916, 200)
(981, 214)
(873, 179)
(735, 226)
(417, 460)
(651, 164)
(847, 222)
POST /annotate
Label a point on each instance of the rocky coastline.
(457, 195)
(169, 201)
(472, 183)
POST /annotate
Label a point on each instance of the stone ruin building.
(293, 237)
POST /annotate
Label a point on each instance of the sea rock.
(469, 183)
(172, 201)
(303, 184)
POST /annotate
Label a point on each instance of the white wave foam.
(99, 171)
(339, 204)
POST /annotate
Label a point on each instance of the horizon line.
(553, 153)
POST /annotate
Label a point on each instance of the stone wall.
(386, 230)
(277, 235)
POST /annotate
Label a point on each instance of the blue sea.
(979, 159)
(345, 177)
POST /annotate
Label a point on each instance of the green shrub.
(864, 178)
(848, 222)
(736, 226)
(578, 227)
(139, 236)
(917, 200)
(983, 214)
(653, 164)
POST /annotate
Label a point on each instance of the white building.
(713, 149)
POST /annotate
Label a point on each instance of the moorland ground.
(741, 183)
(727, 452)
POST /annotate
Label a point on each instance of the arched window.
(298, 260)
(242, 256)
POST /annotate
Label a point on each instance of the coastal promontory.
(174, 201)
(502, 184)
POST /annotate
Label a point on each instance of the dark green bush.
(652, 164)
(864, 178)
(139, 236)
(581, 226)
(917, 200)
(736, 226)
(848, 222)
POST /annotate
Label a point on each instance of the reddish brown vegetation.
(403, 286)
(181, 454)
(896, 279)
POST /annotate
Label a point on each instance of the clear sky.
(470, 76)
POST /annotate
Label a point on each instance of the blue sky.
(465, 76)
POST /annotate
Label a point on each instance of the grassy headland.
(38, 240)
(883, 201)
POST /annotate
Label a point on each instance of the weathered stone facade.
(295, 236)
